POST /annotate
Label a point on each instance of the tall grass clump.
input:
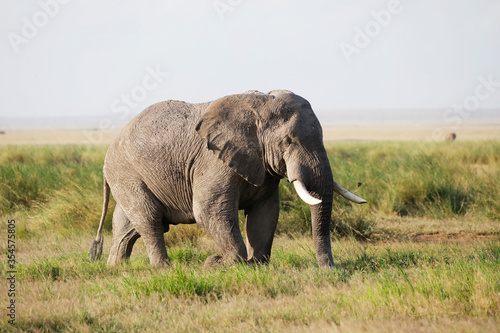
(347, 220)
(295, 216)
(55, 185)
(433, 180)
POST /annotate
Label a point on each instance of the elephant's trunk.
(320, 218)
(315, 185)
(321, 214)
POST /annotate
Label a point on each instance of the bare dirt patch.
(452, 237)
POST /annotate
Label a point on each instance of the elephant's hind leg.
(145, 213)
(124, 237)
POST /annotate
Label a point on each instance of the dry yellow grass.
(57, 136)
(331, 133)
(429, 132)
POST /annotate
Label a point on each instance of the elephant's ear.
(230, 127)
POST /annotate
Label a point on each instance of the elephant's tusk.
(304, 194)
(348, 195)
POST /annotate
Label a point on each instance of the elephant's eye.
(287, 140)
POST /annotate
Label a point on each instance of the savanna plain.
(422, 256)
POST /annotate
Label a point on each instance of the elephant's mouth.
(304, 194)
(275, 174)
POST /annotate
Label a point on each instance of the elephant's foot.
(121, 247)
(257, 262)
(159, 259)
(163, 263)
(117, 256)
(114, 260)
(214, 261)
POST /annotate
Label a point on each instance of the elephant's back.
(162, 132)
(164, 119)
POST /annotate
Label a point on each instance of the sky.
(63, 58)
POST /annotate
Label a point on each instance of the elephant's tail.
(96, 245)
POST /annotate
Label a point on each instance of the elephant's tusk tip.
(314, 202)
(348, 195)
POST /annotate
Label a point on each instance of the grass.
(436, 180)
(412, 282)
(422, 255)
(57, 187)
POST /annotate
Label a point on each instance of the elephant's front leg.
(262, 219)
(217, 215)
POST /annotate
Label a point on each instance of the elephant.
(182, 163)
(450, 137)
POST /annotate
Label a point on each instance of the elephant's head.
(277, 133)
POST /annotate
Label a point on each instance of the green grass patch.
(435, 180)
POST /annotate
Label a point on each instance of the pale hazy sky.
(76, 57)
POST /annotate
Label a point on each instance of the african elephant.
(177, 162)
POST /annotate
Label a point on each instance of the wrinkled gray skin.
(200, 163)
